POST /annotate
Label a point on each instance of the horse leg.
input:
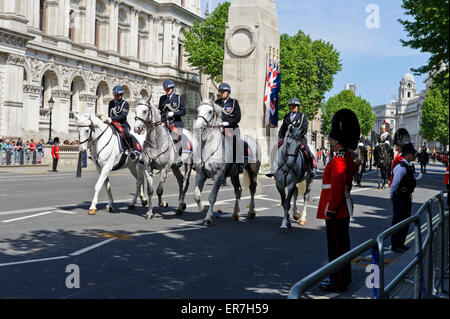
(237, 192)
(160, 190)
(285, 223)
(379, 177)
(149, 178)
(199, 182)
(295, 212)
(212, 199)
(109, 208)
(306, 197)
(98, 186)
(136, 175)
(287, 206)
(253, 177)
(176, 171)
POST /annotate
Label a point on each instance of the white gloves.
(225, 123)
(108, 120)
(170, 114)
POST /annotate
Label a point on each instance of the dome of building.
(408, 77)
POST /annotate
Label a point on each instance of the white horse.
(159, 153)
(213, 162)
(103, 142)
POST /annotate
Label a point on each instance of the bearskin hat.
(401, 137)
(345, 128)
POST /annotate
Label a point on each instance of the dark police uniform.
(403, 186)
(118, 111)
(231, 113)
(172, 103)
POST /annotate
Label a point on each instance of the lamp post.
(51, 103)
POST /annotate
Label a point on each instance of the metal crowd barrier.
(21, 157)
(428, 268)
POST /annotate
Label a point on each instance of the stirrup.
(132, 155)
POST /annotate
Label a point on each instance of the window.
(42, 15)
(71, 24)
(180, 56)
(97, 29)
(41, 103)
(409, 94)
(119, 35)
(71, 96)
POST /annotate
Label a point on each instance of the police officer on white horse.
(231, 116)
(171, 106)
(118, 110)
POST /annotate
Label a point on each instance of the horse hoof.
(283, 230)
(92, 211)
(178, 212)
(131, 207)
(183, 206)
(302, 222)
(219, 211)
(207, 223)
(149, 216)
(144, 203)
(251, 215)
(164, 205)
(108, 210)
(296, 215)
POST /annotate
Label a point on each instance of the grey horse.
(292, 174)
(212, 160)
(159, 153)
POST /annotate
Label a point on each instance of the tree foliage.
(434, 125)
(307, 71)
(347, 100)
(428, 31)
(205, 42)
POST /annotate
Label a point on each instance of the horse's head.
(208, 115)
(85, 127)
(292, 144)
(144, 114)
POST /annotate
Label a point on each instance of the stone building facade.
(405, 111)
(76, 51)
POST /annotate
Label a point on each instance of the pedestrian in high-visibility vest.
(55, 153)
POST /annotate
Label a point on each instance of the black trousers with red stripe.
(338, 239)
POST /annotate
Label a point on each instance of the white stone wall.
(82, 70)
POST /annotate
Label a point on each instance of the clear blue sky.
(373, 59)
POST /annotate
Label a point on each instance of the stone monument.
(252, 36)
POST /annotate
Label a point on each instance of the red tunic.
(446, 177)
(55, 151)
(336, 186)
(396, 161)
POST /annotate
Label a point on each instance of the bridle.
(148, 121)
(95, 141)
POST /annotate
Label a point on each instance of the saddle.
(123, 140)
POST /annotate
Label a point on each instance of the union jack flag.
(271, 96)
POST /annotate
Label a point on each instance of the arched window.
(72, 89)
(71, 24)
(409, 94)
(41, 97)
(99, 12)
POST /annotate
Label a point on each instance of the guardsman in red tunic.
(335, 205)
(55, 153)
(400, 137)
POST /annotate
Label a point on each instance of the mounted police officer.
(298, 120)
(118, 110)
(336, 205)
(171, 106)
(403, 185)
(231, 116)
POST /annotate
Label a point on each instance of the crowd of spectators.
(14, 149)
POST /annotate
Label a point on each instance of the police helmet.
(168, 84)
(118, 90)
(401, 137)
(345, 128)
(225, 87)
(294, 101)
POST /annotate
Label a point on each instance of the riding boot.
(130, 143)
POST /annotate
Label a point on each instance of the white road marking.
(193, 227)
(82, 251)
(26, 217)
(29, 210)
(32, 261)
